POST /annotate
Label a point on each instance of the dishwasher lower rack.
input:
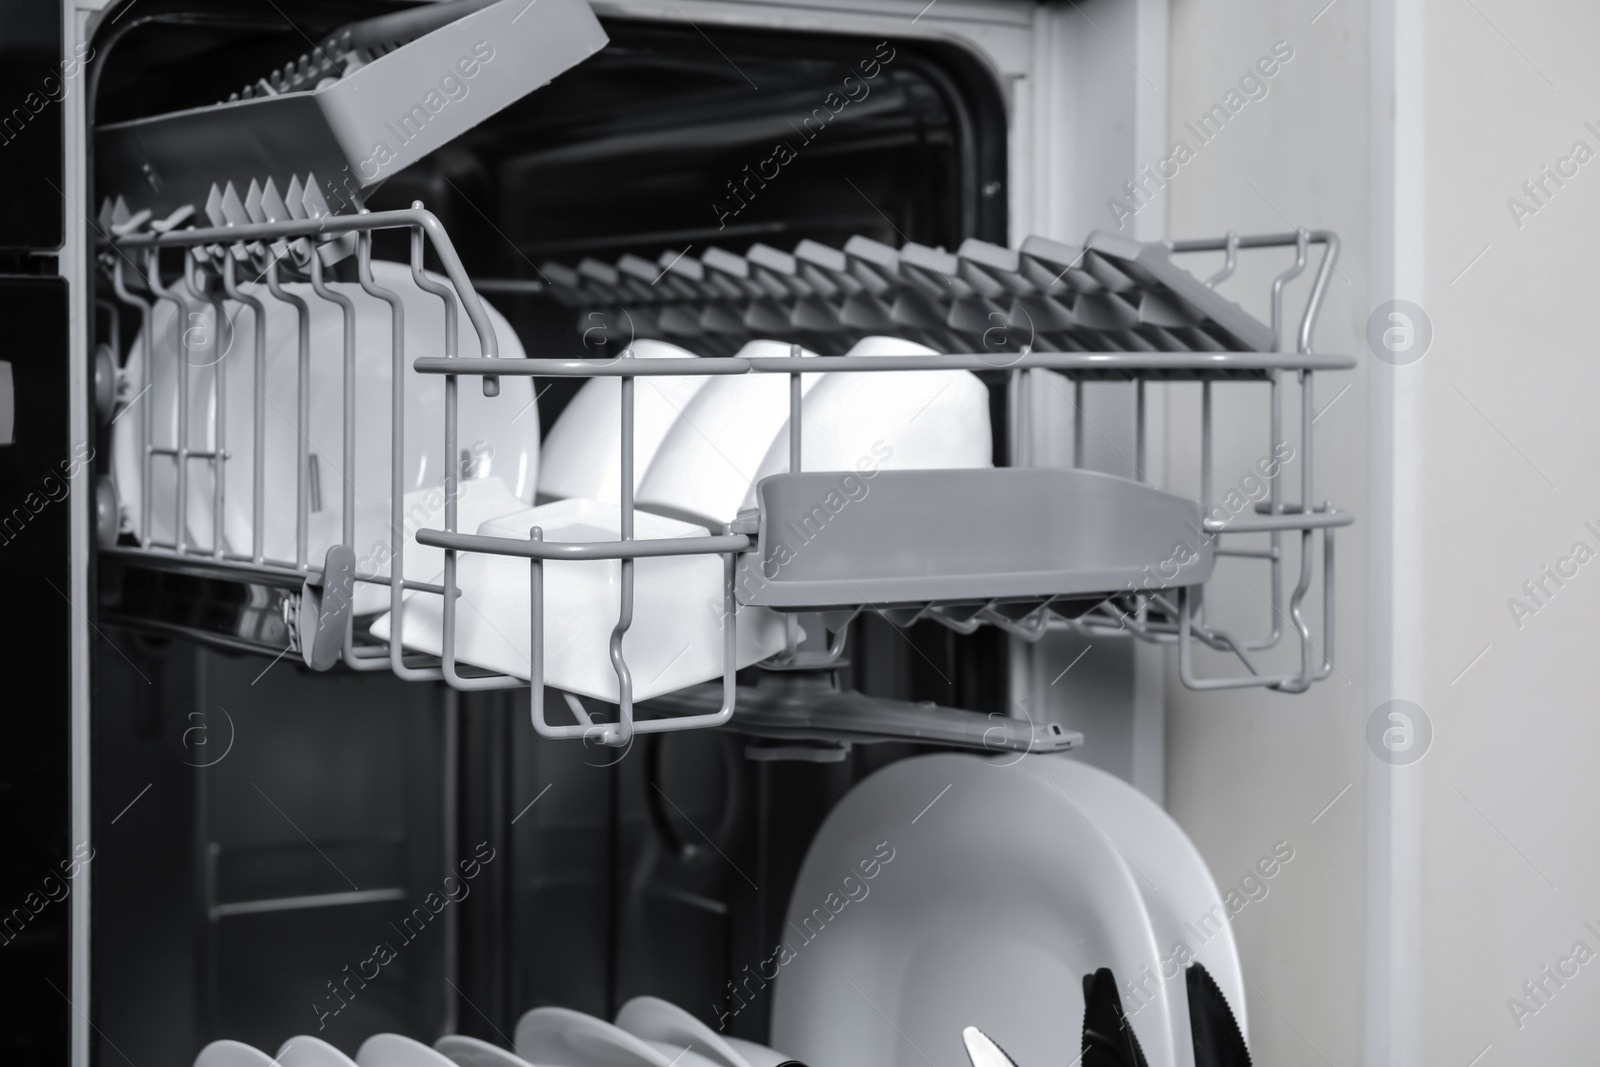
(1023, 549)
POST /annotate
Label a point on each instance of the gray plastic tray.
(373, 121)
(831, 539)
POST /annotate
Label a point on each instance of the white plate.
(478, 500)
(582, 454)
(666, 1024)
(560, 1037)
(232, 1054)
(706, 462)
(303, 1050)
(1179, 892)
(901, 420)
(396, 1050)
(497, 435)
(997, 899)
(470, 1052)
(676, 636)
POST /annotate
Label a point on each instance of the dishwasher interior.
(291, 816)
(301, 830)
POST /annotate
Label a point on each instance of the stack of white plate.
(950, 891)
(498, 436)
(649, 1032)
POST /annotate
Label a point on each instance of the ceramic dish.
(560, 1037)
(902, 420)
(232, 1054)
(396, 1050)
(498, 435)
(304, 1050)
(676, 636)
(477, 501)
(704, 467)
(1185, 906)
(949, 891)
(669, 1026)
(470, 1052)
(582, 454)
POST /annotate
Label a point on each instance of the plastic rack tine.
(1308, 675)
(397, 437)
(791, 621)
(181, 458)
(119, 284)
(1079, 424)
(731, 274)
(1319, 288)
(1229, 264)
(347, 307)
(258, 430)
(302, 484)
(452, 483)
(624, 731)
(221, 345)
(1302, 238)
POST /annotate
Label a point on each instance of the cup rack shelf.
(1046, 548)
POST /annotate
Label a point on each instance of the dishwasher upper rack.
(320, 625)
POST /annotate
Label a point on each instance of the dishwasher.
(388, 730)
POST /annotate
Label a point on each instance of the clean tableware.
(907, 420)
(498, 435)
(1185, 906)
(397, 1050)
(1108, 1038)
(666, 1024)
(477, 501)
(704, 467)
(582, 453)
(232, 1054)
(470, 1052)
(303, 1050)
(951, 890)
(676, 636)
(982, 1050)
(560, 1037)
(1218, 1038)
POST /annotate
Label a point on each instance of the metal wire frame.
(1306, 517)
(272, 244)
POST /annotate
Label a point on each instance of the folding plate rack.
(1042, 547)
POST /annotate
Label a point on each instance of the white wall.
(1511, 871)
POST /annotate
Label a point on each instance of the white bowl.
(470, 1052)
(669, 1027)
(676, 636)
(561, 1037)
(397, 1050)
(708, 459)
(497, 435)
(582, 455)
(232, 1054)
(896, 420)
(303, 1050)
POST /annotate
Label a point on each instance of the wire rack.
(1111, 309)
